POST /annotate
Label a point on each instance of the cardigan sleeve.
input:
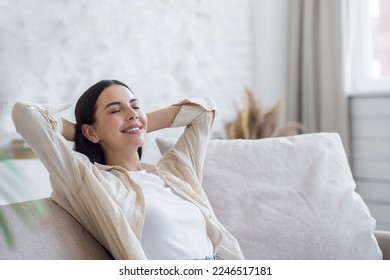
(197, 116)
(41, 127)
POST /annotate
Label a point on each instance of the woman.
(135, 210)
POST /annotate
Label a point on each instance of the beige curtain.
(316, 94)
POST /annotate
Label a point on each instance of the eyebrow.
(119, 103)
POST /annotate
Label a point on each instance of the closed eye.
(135, 104)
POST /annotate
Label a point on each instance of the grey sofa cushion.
(383, 238)
(288, 198)
(48, 234)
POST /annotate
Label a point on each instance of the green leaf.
(6, 231)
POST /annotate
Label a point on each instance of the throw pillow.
(288, 197)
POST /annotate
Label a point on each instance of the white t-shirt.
(174, 227)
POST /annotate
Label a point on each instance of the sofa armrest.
(383, 238)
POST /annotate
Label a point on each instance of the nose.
(132, 114)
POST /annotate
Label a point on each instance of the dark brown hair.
(85, 114)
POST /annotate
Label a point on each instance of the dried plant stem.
(253, 122)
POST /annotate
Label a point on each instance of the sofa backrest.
(41, 229)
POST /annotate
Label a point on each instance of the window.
(380, 35)
(370, 47)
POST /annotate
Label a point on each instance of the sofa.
(282, 198)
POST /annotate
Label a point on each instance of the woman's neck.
(129, 161)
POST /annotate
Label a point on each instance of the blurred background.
(327, 61)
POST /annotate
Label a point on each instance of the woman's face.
(119, 121)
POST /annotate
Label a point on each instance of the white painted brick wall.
(165, 50)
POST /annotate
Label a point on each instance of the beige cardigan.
(104, 199)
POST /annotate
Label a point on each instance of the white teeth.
(132, 129)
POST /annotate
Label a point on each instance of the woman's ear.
(89, 133)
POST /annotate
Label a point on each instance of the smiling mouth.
(131, 130)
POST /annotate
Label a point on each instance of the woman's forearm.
(162, 118)
(69, 130)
